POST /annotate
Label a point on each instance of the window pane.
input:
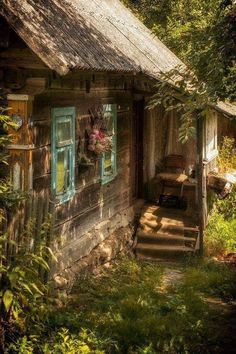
(63, 131)
(108, 169)
(109, 124)
(63, 150)
(61, 173)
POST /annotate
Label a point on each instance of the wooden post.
(200, 185)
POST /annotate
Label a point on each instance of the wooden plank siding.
(93, 203)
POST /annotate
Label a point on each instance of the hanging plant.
(99, 141)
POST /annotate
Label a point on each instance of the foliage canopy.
(201, 33)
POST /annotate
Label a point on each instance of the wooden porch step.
(162, 251)
(170, 215)
(156, 225)
(160, 214)
(173, 229)
(164, 238)
(165, 234)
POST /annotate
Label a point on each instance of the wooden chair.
(173, 176)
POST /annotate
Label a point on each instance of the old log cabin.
(76, 73)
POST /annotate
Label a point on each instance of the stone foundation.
(97, 247)
(119, 243)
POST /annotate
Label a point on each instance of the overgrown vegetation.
(227, 155)
(201, 33)
(131, 308)
(220, 236)
(23, 261)
(181, 92)
(8, 197)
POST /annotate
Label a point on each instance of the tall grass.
(220, 235)
(132, 309)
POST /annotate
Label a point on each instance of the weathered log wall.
(95, 210)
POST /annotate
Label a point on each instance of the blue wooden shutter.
(63, 152)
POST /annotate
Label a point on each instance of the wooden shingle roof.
(226, 108)
(89, 35)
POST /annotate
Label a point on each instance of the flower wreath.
(99, 141)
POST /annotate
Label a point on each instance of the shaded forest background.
(200, 32)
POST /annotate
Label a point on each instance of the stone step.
(162, 251)
(164, 238)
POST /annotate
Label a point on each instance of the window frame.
(106, 179)
(63, 115)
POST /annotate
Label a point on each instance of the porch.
(168, 225)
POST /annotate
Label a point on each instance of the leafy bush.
(227, 155)
(61, 342)
(227, 206)
(201, 33)
(220, 235)
(23, 262)
(8, 197)
(23, 290)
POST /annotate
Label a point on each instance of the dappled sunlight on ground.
(149, 308)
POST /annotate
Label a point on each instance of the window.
(108, 163)
(63, 152)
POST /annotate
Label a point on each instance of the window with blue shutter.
(63, 153)
(109, 159)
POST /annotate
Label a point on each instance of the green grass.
(220, 235)
(130, 309)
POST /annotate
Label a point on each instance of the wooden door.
(138, 117)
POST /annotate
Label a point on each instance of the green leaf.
(7, 299)
(26, 287)
(34, 286)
